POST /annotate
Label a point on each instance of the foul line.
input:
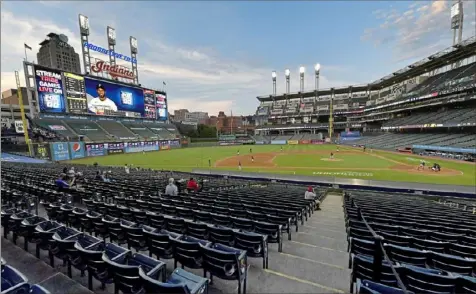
(315, 246)
(303, 281)
(312, 260)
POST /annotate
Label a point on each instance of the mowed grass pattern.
(371, 166)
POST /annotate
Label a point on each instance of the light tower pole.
(273, 76)
(287, 72)
(301, 78)
(317, 69)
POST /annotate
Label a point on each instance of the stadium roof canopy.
(450, 55)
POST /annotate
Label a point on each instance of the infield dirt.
(266, 161)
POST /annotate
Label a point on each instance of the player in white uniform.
(101, 103)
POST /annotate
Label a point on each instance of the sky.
(219, 55)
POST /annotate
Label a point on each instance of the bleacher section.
(392, 141)
(56, 126)
(409, 244)
(141, 130)
(164, 131)
(264, 227)
(453, 116)
(89, 129)
(117, 130)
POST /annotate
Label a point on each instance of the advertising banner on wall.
(304, 142)
(278, 142)
(349, 134)
(164, 147)
(317, 142)
(293, 142)
(132, 147)
(42, 151)
(445, 149)
(174, 143)
(114, 148)
(76, 150)
(60, 151)
(49, 85)
(95, 150)
(259, 142)
(110, 98)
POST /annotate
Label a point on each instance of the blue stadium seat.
(13, 281)
(179, 282)
(226, 263)
(369, 287)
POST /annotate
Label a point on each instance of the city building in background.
(11, 96)
(56, 53)
(199, 117)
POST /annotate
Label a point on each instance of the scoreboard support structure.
(22, 111)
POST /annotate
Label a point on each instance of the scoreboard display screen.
(49, 85)
(75, 93)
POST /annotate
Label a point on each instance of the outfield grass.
(378, 165)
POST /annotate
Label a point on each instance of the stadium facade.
(431, 101)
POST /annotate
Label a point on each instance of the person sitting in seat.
(61, 182)
(192, 185)
(311, 195)
(171, 188)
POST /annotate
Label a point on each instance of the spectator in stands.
(99, 176)
(127, 169)
(171, 188)
(105, 177)
(71, 173)
(192, 185)
(61, 182)
(311, 195)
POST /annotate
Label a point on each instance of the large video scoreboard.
(64, 92)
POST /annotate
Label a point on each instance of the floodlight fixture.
(273, 74)
(84, 25)
(287, 72)
(133, 43)
(302, 69)
(317, 67)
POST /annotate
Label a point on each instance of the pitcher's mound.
(330, 159)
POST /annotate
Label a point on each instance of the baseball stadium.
(366, 188)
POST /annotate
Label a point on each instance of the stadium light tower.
(457, 21)
(301, 78)
(317, 69)
(287, 73)
(273, 76)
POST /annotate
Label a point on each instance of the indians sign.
(114, 71)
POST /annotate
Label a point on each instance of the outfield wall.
(59, 151)
(345, 183)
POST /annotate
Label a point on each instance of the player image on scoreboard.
(102, 104)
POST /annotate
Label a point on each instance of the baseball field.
(307, 160)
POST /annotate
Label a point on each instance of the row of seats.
(254, 239)
(14, 282)
(419, 243)
(111, 263)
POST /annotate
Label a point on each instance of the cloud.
(200, 79)
(418, 31)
